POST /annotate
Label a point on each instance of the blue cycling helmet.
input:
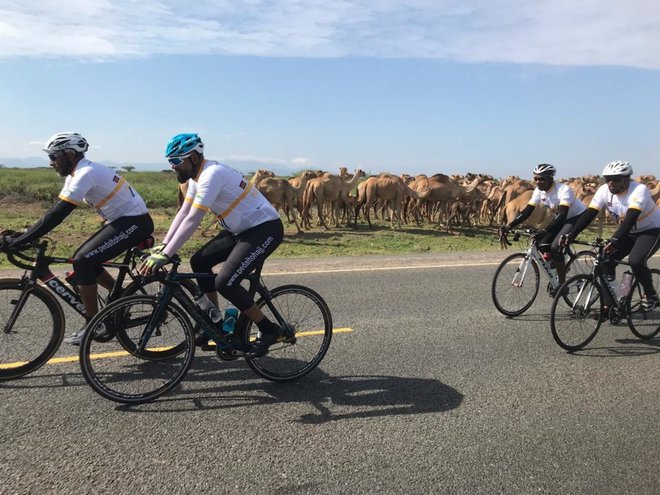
(184, 144)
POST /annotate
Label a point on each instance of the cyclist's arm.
(522, 216)
(51, 219)
(185, 230)
(180, 215)
(559, 218)
(583, 222)
(628, 221)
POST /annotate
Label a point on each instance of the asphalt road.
(432, 392)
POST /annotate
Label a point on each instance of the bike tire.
(29, 345)
(574, 325)
(644, 325)
(511, 300)
(129, 377)
(310, 323)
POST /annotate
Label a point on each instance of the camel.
(332, 189)
(279, 192)
(389, 189)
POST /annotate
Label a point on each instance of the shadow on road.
(208, 387)
(629, 347)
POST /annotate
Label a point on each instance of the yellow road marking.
(105, 355)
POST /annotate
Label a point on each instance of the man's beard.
(181, 176)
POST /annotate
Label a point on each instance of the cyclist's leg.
(557, 252)
(624, 245)
(645, 245)
(209, 255)
(106, 244)
(252, 248)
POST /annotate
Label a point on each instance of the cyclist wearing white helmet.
(253, 230)
(638, 235)
(561, 199)
(127, 221)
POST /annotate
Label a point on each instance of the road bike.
(31, 315)
(575, 324)
(123, 370)
(517, 279)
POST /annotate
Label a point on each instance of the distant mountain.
(245, 166)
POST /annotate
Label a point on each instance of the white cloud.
(562, 32)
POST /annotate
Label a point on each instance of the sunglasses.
(177, 160)
(614, 178)
(541, 178)
(54, 156)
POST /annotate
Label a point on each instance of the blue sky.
(398, 86)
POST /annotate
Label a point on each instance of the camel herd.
(324, 199)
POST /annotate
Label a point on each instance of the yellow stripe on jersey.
(235, 203)
(102, 203)
(68, 200)
(200, 207)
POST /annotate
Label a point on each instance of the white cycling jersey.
(638, 197)
(99, 186)
(238, 205)
(558, 195)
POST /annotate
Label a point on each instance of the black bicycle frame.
(41, 271)
(172, 290)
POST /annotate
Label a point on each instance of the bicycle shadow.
(332, 398)
(630, 348)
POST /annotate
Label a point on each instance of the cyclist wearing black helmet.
(638, 235)
(561, 199)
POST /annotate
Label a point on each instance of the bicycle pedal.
(208, 347)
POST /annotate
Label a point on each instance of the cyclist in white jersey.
(559, 198)
(127, 221)
(638, 234)
(253, 230)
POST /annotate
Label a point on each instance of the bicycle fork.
(521, 272)
(19, 304)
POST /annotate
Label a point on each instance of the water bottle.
(626, 282)
(209, 308)
(614, 287)
(229, 323)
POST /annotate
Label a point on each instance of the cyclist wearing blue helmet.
(253, 230)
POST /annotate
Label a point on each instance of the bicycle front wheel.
(644, 324)
(152, 286)
(575, 324)
(117, 370)
(307, 335)
(35, 335)
(515, 284)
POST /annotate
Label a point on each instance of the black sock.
(267, 326)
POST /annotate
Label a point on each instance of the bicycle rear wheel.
(581, 263)
(36, 334)
(117, 370)
(644, 324)
(307, 336)
(515, 284)
(575, 324)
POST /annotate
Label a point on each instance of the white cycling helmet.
(617, 168)
(66, 141)
(545, 169)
